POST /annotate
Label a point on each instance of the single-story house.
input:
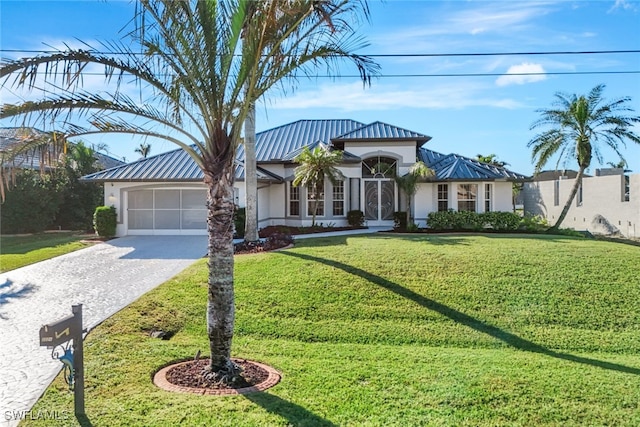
(165, 194)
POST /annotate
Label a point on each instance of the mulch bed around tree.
(190, 377)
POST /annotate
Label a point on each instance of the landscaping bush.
(534, 223)
(501, 221)
(239, 218)
(400, 220)
(105, 220)
(469, 220)
(443, 220)
(355, 218)
(453, 220)
(31, 204)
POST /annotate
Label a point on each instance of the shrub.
(105, 220)
(534, 223)
(413, 227)
(355, 218)
(443, 220)
(32, 204)
(469, 220)
(277, 241)
(452, 220)
(502, 221)
(239, 218)
(400, 220)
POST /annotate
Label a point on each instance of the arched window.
(379, 167)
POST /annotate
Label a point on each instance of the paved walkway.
(103, 278)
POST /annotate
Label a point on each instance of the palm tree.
(201, 77)
(321, 12)
(622, 164)
(491, 159)
(409, 183)
(578, 125)
(144, 149)
(313, 167)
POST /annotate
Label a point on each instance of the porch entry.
(379, 199)
(379, 189)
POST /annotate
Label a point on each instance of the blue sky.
(467, 115)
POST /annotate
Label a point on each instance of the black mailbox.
(60, 332)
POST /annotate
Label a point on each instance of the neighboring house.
(608, 203)
(164, 194)
(36, 158)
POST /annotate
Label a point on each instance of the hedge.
(454, 220)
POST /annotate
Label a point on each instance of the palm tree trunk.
(250, 177)
(220, 306)
(572, 196)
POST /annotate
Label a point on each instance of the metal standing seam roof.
(452, 167)
(382, 131)
(172, 166)
(284, 143)
(274, 144)
(346, 156)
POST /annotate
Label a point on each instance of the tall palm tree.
(313, 167)
(578, 125)
(409, 183)
(143, 149)
(322, 12)
(201, 77)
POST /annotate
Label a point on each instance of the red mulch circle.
(188, 377)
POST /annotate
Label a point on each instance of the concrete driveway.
(104, 278)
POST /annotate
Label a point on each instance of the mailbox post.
(69, 328)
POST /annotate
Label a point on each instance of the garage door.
(166, 211)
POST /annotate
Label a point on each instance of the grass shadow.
(432, 238)
(469, 321)
(83, 420)
(295, 415)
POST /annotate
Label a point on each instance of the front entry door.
(379, 200)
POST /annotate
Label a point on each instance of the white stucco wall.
(603, 209)
(405, 152)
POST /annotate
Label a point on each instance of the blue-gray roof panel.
(382, 131)
(459, 168)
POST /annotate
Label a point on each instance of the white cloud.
(352, 97)
(494, 17)
(519, 74)
(622, 4)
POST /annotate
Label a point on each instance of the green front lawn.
(18, 251)
(391, 330)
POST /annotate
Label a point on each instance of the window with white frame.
(313, 203)
(467, 197)
(294, 200)
(488, 197)
(338, 198)
(556, 193)
(443, 197)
